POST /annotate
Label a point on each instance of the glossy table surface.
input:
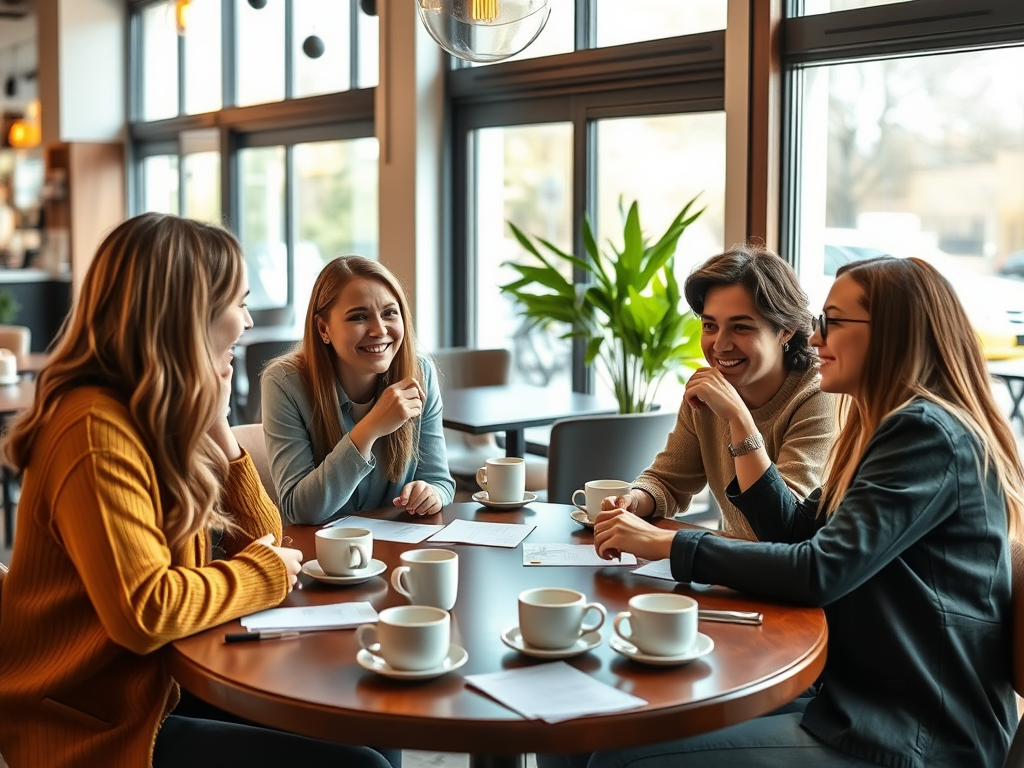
(313, 685)
(18, 396)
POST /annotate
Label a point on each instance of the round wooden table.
(313, 685)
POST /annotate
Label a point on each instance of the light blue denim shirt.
(344, 483)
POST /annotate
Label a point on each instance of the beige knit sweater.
(94, 595)
(798, 426)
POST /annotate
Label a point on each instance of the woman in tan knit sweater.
(756, 326)
(128, 463)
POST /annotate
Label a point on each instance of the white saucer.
(513, 638)
(312, 568)
(480, 497)
(701, 647)
(16, 378)
(581, 517)
(456, 657)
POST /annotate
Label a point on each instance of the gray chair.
(617, 447)
(250, 437)
(460, 367)
(257, 355)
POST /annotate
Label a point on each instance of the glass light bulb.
(484, 31)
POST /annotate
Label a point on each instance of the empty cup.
(596, 491)
(504, 479)
(428, 577)
(411, 638)
(344, 551)
(659, 624)
(552, 617)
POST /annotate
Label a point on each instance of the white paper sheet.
(656, 569)
(388, 530)
(553, 692)
(570, 554)
(306, 618)
(508, 535)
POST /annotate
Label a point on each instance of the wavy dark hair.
(774, 287)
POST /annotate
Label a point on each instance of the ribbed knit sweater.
(798, 426)
(94, 594)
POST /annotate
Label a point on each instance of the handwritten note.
(570, 554)
(307, 618)
(508, 535)
(388, 530)
(553, 692)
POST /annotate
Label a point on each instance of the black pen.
(246, 637)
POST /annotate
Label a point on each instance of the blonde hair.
(315, 361)
(921, 345)
(141, 327)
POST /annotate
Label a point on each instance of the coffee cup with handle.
(428, 577)
(410, 638)
(596, 491)
(503, 478)
(344, 551)
(552, 618)
(659, 624)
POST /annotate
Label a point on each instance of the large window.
(634, 112)
(297, 185)
(915, 155)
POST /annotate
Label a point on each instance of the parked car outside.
(994, 303)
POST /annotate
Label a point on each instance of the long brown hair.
(315, 363)
(141, 327)
(775, 290)
(921, 345)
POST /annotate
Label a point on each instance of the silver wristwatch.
(751, 443)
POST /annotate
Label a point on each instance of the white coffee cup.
(344, 551)
(428, 577)
(596, 491)
(552, 617)
(504, 479)
(8, 367)
(659, 624)
(408, 637)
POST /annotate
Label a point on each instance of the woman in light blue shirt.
(352, 419)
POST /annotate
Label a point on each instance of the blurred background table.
(512, 408)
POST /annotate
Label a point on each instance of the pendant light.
(484, 31)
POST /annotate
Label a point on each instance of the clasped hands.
(617, 530)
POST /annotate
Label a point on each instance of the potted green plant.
(9, 307)
(629, 310)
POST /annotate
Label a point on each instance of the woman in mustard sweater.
(128, 464)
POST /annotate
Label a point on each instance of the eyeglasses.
(821, 322)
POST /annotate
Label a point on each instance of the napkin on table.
(553, 692)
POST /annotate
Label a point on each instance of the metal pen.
(731, 617)
(248, 637)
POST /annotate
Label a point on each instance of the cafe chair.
(257, 356)
(1015, 759)
(17, 338)
(250, 437)
(459, 367)
(616, 447)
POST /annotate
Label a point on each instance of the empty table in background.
(512, 408)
